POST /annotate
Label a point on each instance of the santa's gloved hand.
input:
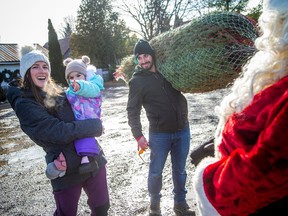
(204, 150)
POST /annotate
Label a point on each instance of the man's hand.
(142, 143)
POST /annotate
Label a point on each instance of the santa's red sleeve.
(243, 182)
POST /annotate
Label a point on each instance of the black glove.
(204, 150)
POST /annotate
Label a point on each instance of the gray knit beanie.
(76, 65)
(31, 58)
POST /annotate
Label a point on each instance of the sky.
(25, 22)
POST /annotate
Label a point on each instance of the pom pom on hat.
(143, 47)
(76, 65)
(31, 58)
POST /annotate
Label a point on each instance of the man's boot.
(183, 209)
(155, 209)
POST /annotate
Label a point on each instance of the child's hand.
(119, 74)
(60, 162)
(75, 86)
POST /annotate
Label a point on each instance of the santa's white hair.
(266, 67)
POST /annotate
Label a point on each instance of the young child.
(84, 95)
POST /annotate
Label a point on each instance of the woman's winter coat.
(55, 132)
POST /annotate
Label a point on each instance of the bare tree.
(68, 27)
(156, 16)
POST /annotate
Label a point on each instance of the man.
(167, 113)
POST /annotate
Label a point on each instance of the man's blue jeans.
(178, 144)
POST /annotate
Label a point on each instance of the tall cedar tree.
(55, 56)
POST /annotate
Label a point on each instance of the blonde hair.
(266, 67)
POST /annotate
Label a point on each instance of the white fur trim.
(204, 206)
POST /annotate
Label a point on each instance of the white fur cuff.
(204, 206)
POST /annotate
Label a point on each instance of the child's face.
(76, 76)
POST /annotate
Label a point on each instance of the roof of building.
(64, 47)
(9, 52)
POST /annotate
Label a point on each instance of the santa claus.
(249, 173)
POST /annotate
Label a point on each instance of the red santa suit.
(252, 171)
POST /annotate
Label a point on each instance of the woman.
(46, 117)
(250, 174)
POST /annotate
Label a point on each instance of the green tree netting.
(205, 54)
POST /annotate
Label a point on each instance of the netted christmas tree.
(205, 54)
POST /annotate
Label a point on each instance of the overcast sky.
(25, 22)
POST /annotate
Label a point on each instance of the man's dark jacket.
(166, 107)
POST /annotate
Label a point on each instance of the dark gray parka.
(55, 132)
(166, 107)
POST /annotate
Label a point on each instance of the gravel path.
(26, 191)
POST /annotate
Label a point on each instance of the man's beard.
(150, 65)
